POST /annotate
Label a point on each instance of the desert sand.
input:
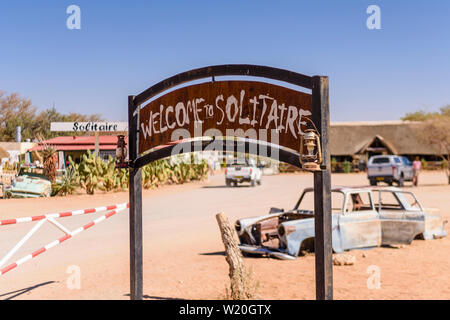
(183, 252)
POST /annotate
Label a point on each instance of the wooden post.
(135, 190)
(239, 277)
(322, 193)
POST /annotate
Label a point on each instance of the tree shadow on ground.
(217, 253)
(425, 185)
(245, 255)
(145, 296)
(24, 290)
(409, 186)
(392, 246)
(225, 187)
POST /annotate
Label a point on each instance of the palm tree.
(50, 158)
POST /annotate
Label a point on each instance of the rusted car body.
(29, 183)
(361, 218)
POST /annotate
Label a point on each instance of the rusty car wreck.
(361, 218)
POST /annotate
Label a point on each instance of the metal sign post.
(322, 194)
(135, 190)
(96, 144)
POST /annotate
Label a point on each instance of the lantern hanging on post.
(312, 160)
(121, 152)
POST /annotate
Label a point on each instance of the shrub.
(424, 163)
(347, 166)
(68, 184)
(94, 173)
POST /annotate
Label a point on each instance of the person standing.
(417, 166)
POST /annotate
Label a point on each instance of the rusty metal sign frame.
(322, 183)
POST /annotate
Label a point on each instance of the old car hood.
(30, 185)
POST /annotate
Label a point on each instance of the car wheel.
(259, 182)
(400, 182)
(390, 183)
(235, 184)
(373, 182)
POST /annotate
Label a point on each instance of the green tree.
(423, 115)
(47, 116)
(17, 111)
(436, 132)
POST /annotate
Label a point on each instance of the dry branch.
(242, 286)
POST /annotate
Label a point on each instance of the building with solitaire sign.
(355, 142)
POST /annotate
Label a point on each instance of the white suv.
(243, 171)
(389, 169)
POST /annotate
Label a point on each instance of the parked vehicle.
(389, 169)
(361, 218)
(240, 170)
(29, 183)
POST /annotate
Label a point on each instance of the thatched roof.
(400, 137)
(3, 153)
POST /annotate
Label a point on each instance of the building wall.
(16, 149)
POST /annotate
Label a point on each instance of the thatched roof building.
(364, 139)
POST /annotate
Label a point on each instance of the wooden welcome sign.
(227, 106)
(258, 111)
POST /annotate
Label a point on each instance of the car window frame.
(405, 201)
(348, 198)
(402, 207)
(332, 191)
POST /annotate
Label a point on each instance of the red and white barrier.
(62, 214)
(68, 234)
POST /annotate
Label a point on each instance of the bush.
(424, 163)
(94, 173)
(333, 164)
(68, 184)
(173, 171)
(347, 166)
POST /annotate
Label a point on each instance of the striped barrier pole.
(63, 214)
(59, 241)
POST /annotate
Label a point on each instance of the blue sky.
(124, 47)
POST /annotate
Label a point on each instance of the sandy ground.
(183, 256)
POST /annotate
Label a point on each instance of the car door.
(407, 169)
(359, 224)
(399, 225)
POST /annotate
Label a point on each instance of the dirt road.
(183, 251)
